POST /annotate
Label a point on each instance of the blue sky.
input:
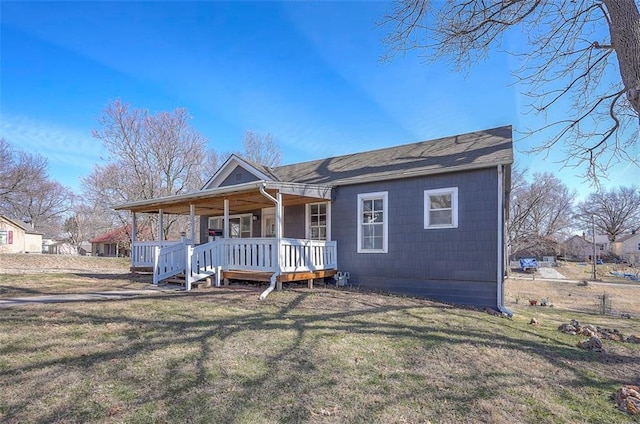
(307, 72)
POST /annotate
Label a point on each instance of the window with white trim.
(317, 218)
(441, 208)
(373, 222)
(239, 225)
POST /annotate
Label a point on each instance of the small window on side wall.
(373, 222)
(441, 208)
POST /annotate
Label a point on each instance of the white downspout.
(500, 250)
(277, 202)
(500, 241)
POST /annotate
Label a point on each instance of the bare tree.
(540, 215)
(17, 168)
(149, 156)
(574, 48)
(28, 194)
(84, 223)
(614, 211)
(261, 148)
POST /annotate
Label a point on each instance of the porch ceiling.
(242, 199)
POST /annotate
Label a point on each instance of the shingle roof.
(466, 151)
(626, 237)
(22, 225)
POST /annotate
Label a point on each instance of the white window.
(239, 225)
(318, 218)
(638, 246)
(4, 237)
(373, 222)
(441, 208)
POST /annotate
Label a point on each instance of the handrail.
(250, 254)
(169, 261)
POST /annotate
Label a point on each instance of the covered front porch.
(230, 253)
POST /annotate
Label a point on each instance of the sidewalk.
(81, 297)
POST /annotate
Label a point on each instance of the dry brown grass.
(316, 356)
(584, 271)
(35, 264)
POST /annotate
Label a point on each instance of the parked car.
(528, 264)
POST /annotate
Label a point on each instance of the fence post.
(187, 267)
(156, 262)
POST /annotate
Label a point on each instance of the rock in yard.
(567, 328)
(592, 343)
(533, 321)
(628, 399)
(633, 339)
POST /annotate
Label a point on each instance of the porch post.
(160, 226)
(192, 213)
(134, 237)
(134, 229)
(279, 234)
(279, 217)
(226, 219)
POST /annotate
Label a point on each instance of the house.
(580, 248)
(18, 237)
(424, 219)
(114, 243)
(62, 247)
(628, 247)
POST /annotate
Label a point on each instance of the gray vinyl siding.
(457, 265)
(238, 176)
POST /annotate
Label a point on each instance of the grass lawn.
(324, 355)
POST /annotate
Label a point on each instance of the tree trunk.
(625, 39)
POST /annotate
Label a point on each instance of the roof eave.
(310, 190)
(419, 173)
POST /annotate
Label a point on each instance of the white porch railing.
(247, 254)
(250, 254)
(169, 261)
(143, 252)
(203, 261)
(307, 255)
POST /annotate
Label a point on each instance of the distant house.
(424, 219)
(580, 248)
(628, 247)
(17, 237)
(61, 247)
(114, 243)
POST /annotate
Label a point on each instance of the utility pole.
(593, 229)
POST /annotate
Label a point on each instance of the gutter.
(500, 256)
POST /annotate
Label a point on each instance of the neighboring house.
(61, 247)
(114, 243)
(537, 248)
(424, 219)
(18, 237)
(580, 248)
(628, 247)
